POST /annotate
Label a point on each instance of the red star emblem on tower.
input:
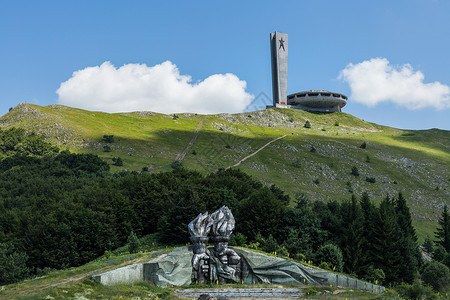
(281, 44)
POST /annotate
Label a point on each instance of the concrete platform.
(260, 293)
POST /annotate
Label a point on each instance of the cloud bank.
(374, 81)
(161, 88)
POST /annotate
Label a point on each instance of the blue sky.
(42, 43)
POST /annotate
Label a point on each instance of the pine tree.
(442, 234)
(133, 243)
(428, 245)
(369, 221)
(410, 255)
(351, 239)
(386, 254)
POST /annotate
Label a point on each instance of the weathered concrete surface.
(279, 56)
(275, 270)
(175, 269)
(129, 274)
(172, 269)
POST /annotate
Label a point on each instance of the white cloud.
(161, 88)
(375, 81)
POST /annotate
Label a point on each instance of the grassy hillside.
(316, 161)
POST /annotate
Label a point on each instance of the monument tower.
(279, 56)
(312, 100)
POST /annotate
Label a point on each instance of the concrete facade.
(279, 57)
(129, 274)
(175, 269)
(316, 100)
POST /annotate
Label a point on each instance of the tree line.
(59, 209)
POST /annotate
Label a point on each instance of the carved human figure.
(199, 229)
(227, 264)
(219, 263)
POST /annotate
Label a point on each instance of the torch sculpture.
(199, 229)
(221, 264)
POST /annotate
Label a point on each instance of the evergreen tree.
(410, 255)
(442, 234)
(332, 255)
(428, 245)
(386, 254)
(369, 212)
(133, 243)
(351, 239)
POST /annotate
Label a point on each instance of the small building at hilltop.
(313, 100)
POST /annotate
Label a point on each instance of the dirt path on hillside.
(181, 155)
(250, 155)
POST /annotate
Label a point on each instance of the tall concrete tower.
(279, 55)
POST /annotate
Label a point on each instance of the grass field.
(316, 161)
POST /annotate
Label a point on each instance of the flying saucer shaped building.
(313, 100)
(317, 100)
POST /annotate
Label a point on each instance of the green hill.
(316, 161)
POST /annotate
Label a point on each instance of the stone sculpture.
(223, 264)
(219, 263)
(199, 229)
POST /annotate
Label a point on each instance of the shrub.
(238, 239)
(271, 245)
(107, 148)
(436, 274)
(117, 161)
(133, 243)
(301, 200)
(374, 275)
(439, 253)
(415, 291)
(332, 255)
(307, 124)
(108, 138)
(349, 187)
(176, 164)
(325, 266)
(367, 159)
(282, 251)
(371, 179)
(355, 171)
(297, 163)
(174, 116)
(312, 149)
(336, 123)
(144, 169)
(363, 145)
(310, 291)
(316, 181)
(194, 152)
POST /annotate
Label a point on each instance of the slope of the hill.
(316, 161)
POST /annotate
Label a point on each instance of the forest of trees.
(59, 209)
